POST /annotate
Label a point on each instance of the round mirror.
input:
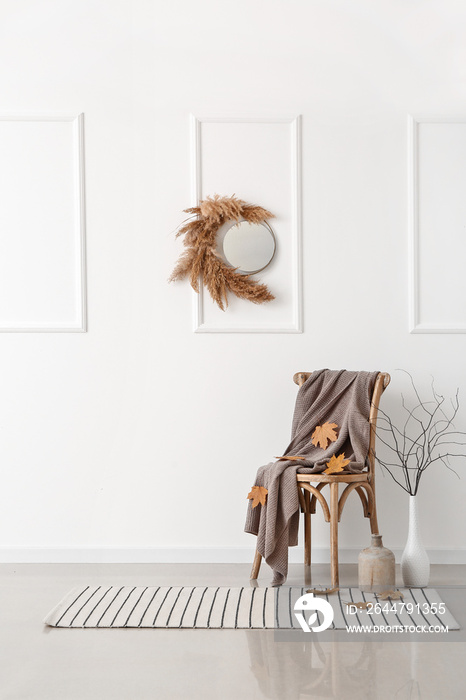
(249, 247)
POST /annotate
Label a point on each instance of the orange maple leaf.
(394, 595)
(360, 605)
(293, 458)
(257, 494)
(324, 434)
(336, 464)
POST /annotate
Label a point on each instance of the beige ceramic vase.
(376, 567)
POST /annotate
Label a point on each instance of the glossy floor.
(40, 663)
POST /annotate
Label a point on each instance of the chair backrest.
(381, 383)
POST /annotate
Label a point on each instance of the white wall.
(140, 433)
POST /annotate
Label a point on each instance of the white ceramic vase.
(415, 565)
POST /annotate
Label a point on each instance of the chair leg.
(256, 566)
(373, 515)
(307, 528)
(374, 523)
(334, 534)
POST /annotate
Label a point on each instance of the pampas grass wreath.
(200, 257)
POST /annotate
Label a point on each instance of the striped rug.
(229, 608)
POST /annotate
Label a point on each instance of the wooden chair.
(310, 488)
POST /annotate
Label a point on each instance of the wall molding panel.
(42, 223)
(436, 220)
(247, 140)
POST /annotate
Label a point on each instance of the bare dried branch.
(418, 443)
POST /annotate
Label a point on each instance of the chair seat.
(331, 478)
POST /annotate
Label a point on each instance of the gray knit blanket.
(340, 397)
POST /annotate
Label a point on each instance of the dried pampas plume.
(200, 257)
